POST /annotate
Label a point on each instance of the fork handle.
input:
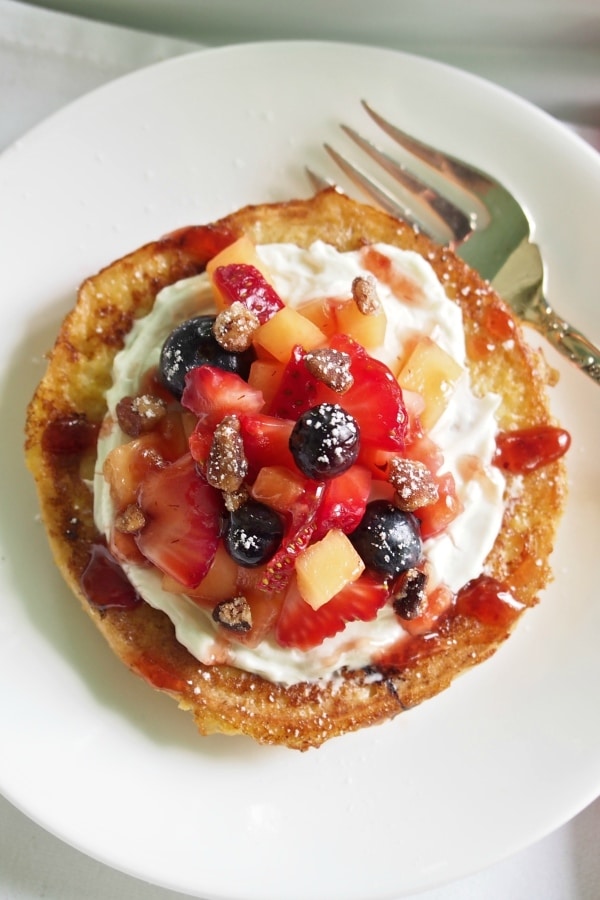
(571, 343)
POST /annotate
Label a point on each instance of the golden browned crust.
(223, 699)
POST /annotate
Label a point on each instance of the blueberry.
(387, 539)
(325, 441)
(193, 344)
(252, 534)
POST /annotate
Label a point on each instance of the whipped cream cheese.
(465, 432)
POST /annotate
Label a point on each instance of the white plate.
(512, 750)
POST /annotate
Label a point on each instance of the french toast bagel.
(69, 407)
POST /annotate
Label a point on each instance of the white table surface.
(48, 59)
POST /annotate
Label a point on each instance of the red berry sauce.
(104, 582)
(67, 435)
(528, 449)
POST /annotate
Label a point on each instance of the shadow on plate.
(30, 571)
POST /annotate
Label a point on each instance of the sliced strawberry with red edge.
(302, 627)
(266, 442)
(344, 501)
(211, 393)
(183, 515)
(200, 442)
(298, 389)
(245, 284)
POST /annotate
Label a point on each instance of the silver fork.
(486, 226)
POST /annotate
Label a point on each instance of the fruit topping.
(278, 487)
(332, 367)
(293, 493)
(212, 393)
(183, 515)
(234, 327)
(325, 441)
(253, 533)
(141, 414)
(266, 441)
(193, 344)
(436, 517)
(247, 285)
(219, 583)
(433, 373)
(298, 388)
(242, 250)
(387, 539)
(234, 614)
(344, 501)
(227, 466)
(414, 484)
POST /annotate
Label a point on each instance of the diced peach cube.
(278, 487)
(321, 312)
(368, 330)
(265, 375)
(327, 566)
(280, 334)
(433, 373)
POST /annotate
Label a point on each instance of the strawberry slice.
(266, 442)
(245, 284)
(200, 442)
(298, 389)
(183, 514)
(212, 393)
(302, 627)
(344, 501)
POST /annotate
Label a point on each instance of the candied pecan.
(332, 367)
(234, 327)
(234, 614)
(141, 414)
(234, 499)
(414, 484)
(227, 465)
(365, 296)
(409, 594)
(131, 520)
